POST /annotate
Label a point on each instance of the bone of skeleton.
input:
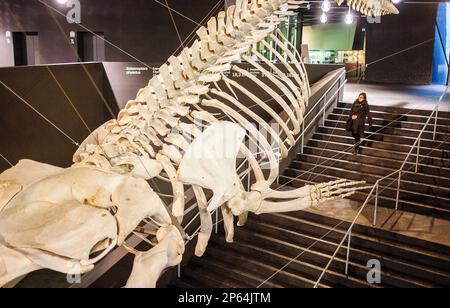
(13, 265)
(258, 119)
(283, 77)
(254, 165)
(124, 149)
(295, 76)
(273, 162)
(177, 187)
(258, 102)
(46, 226)
(228, 223)
(214, 152)
(205, 221)
(148, 266)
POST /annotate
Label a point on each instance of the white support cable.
(69, 100)
(6, 160)
(190, 37)
(376, 185)
(343, 153)
(369, 198)
(304, 250)
(173, 22)
(176, 12)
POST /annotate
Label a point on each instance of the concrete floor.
(413, 97)
(405, 223)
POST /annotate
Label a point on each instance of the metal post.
(248, 179)
(303, 136)
(398, 189)
(376, 205)
(324, 109)
(217, 221)
(418, 153)
(179, 271)
(348, 250)
(435, 122)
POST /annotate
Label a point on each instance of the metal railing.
(326, 99)
(376, 190)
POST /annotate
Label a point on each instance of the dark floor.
(404, 96)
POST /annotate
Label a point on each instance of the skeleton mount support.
(172, 131)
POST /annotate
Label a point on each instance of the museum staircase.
(292, 249)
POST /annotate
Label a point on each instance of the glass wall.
(289, 28)
(442, 45)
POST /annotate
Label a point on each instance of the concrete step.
(379, 161)
(393, 147)
(281, 253)
(257, 265)
(378, 122)
(316, 241)
(404, 117)
(441, 136)
(373, 135)
(299, 178)
(430, 157)
(399, 111)
(435, 186)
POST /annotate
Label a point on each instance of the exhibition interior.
(224, 144)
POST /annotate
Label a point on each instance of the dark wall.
(414, 25)
(24, 134)
(143, 28)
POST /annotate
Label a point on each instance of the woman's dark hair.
(364, 95)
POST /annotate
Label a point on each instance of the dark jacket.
(362, 110)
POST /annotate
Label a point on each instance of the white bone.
(258, 119)
(177, 187)
(205, 221)
(263, 105)
(148, 266)
(214, 152)
(248, 126)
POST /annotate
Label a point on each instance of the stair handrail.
(327, 100)
(376, 187)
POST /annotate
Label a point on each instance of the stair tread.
(379, 159)
(353, 250)
(388, 170)
(349, 147)
(398, 110)
(211, 263)
(376, 144)
(403, 246)
(332, 178)
(384, 114)
(262, 250)
(237, 261)
(444, 200)
(392, 121)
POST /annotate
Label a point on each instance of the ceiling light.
(349, 17)
(326, 5)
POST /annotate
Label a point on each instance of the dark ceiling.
(311, 10)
